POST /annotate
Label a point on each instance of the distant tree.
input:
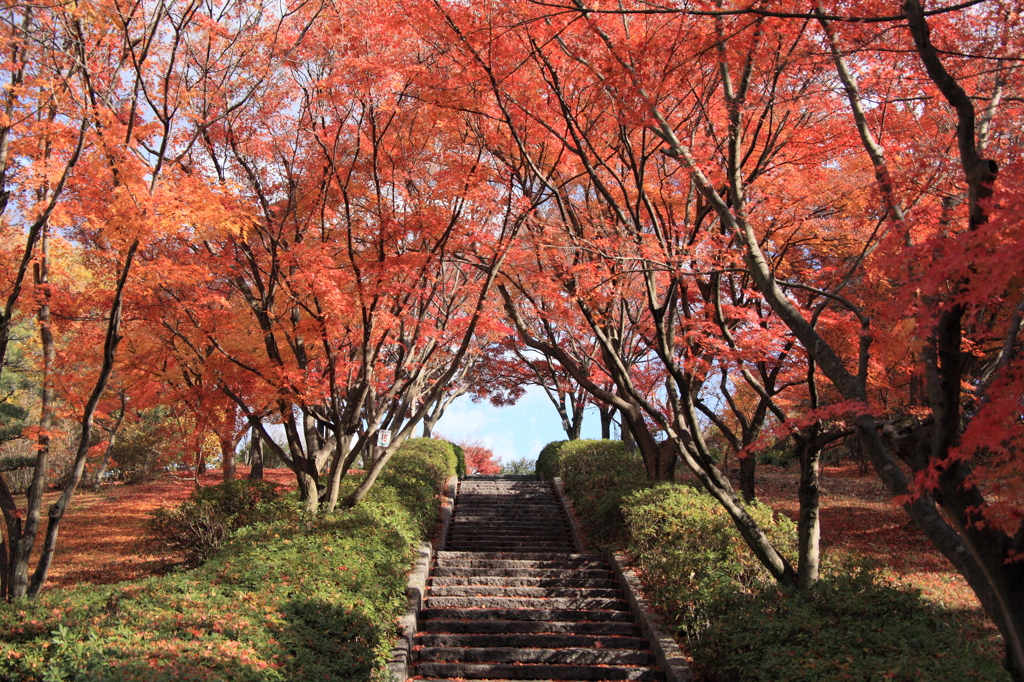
(479, 459)
(518, 467)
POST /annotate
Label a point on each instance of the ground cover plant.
(859, 622)
(295, 598)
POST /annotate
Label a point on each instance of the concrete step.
(458, 625)
(531, 641)
(513, 546)
(492, 571)
(449, 555)
(505, 671)
(433, 612)
(534, 592)
(567, 562)
(558, 603)
(566, 656)
(569, 580)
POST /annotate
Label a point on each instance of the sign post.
(383, 438)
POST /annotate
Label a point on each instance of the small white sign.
(383, 438)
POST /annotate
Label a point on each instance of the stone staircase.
(510, 599)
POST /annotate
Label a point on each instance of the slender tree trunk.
(628, 440)
(21, 546)
(102, 471)
(58, 508)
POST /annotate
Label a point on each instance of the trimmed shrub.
(198, 527)
(547, 460)
(598, 474)
(418, 472)
(460, 460)
(852, 625)
(693, 559)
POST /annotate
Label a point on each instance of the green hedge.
(419, 472)
(547, 461)
(460, 460)
(296, 599)
(599, 474)
(736, 623)
(691, 555)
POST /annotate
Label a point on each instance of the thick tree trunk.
(227, 453)
(808, 525)
(607, 413)
(748, 469)
(255, 457)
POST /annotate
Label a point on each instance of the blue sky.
(511, 432)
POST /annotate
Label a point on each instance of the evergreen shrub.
(419, 472)
(460, 461)
(547, 461)
(691, 555)
(598, 474)
(852, 625)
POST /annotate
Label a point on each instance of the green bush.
(598, 474)
(198, 527)
(547, 460)
(419, 472)
(691, 555)
(460, 460)
(293, 599)
(851, 626)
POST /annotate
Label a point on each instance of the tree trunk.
(58, 508)
(607, 413)
(227, 453)
(808, 524)
(255, 457)
(748, 467)
(101, 472)
(22, 543)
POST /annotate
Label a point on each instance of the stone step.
(506, 536)
(536, 592)
(574, 603)
(484, 581)
(513, 546)
(505, 671)
(496, 626)
(433, 612)
(508, 571)
(540, 556)
(566, 656)
(532, 641)
(482, 560)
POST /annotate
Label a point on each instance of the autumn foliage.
(728, 226)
